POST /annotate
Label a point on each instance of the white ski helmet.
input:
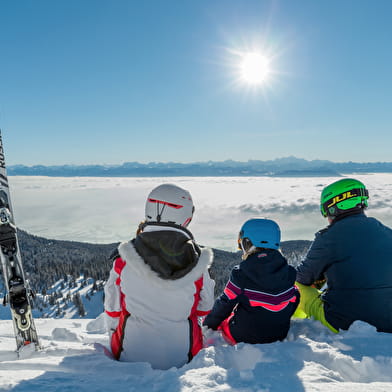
(169, 203)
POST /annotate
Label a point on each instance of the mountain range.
(282, 167)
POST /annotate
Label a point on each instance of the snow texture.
(74, 357)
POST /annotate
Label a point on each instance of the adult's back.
(354, 254)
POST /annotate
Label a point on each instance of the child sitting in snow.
(260, 297)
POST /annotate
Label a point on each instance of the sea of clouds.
(107, 209)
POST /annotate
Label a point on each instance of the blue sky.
(97, 81)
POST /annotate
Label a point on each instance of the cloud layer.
(104, 210)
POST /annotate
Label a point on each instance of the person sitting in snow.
(160, 285)
(354, 255)
(260, 297)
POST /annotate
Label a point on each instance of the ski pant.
(311, 305)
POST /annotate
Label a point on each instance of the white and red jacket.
(153, 307)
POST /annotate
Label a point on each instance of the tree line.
(47, 261)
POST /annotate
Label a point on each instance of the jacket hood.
(268, 269)
(171, 254)
(140, 270)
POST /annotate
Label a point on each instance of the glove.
(211, 337)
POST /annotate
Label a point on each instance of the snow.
(92, 300)
(312, 358)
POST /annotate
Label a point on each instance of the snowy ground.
(311, 359)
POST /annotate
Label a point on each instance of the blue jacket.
(354, 254)
(262, 297)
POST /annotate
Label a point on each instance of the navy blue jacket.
(354, 254)
(262, 295)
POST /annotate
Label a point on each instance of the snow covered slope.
(311, 359)
(74, 298)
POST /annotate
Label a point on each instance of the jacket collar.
(159, 226)
(346, 214)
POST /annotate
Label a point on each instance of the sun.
(254, 68)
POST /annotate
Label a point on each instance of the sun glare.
(254, 68)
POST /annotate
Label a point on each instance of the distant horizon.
(282, 158)
(280, 167)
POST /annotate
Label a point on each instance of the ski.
(18, 293)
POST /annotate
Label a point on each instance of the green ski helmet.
(343, 196)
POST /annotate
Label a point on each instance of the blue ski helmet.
(262, 233)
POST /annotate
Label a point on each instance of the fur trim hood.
(171, 254)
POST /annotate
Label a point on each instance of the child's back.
(260, 297)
